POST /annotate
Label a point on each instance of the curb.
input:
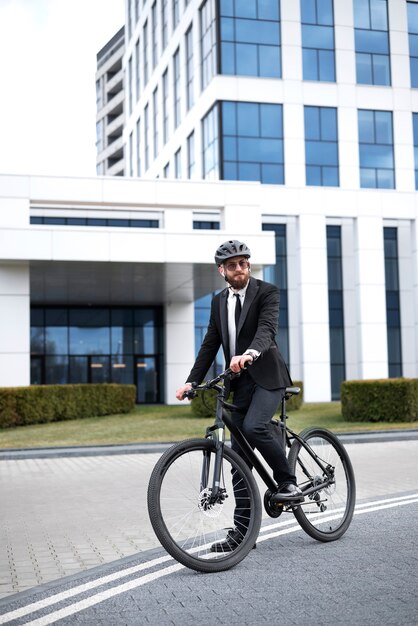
(10, 454)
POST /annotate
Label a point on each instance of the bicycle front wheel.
(326, 514)
(188, 520)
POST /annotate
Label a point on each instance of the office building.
(292, 125)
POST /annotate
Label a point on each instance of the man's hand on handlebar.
(181, 391)
(240, 361)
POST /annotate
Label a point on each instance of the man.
(243, 320)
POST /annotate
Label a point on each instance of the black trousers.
(257, 406)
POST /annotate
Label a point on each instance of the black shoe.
(288, 492)
(232, 541)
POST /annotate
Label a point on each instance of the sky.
(48, 95)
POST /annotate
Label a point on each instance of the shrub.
(389, 400)
(39, 404)
(205, 403)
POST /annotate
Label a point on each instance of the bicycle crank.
(274, 509)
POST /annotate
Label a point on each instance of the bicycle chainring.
(272, 509)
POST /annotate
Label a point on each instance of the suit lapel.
(249, 297)
(224, 319)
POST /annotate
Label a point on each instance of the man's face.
(236, 271)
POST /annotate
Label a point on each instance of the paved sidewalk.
(66, 514)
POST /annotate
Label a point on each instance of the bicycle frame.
(217, 433)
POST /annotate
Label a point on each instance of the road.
(367, 577)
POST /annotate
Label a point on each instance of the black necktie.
(237, 310)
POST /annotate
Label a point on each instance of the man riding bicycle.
(244, 320)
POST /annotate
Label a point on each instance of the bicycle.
(191, 495)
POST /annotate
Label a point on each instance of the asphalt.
(68, 511)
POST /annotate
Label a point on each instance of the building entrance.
(98, 345)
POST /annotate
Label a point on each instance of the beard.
(238, 281)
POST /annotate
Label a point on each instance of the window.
(318, 46)
(393, 309)
(321, 146)
(155, 120)
(99, 345)
(176, 87)
(189, 69)
(177, 164)
(205, 225)
(99, 136)
(250, 38)
(190, 156)
(413, 41)
(252, 142)
(167, 170)
(176, 13)
(277, 274)
(146, 138)
(145, 53)
(377, 169)
(130, 86)
(335, 309)
(164, 24)
(415, 123)
(154, 16)
(131, 156)
(210, 142)
(165, 107)
(137, 72)
(372, 42)
(208, 42)
(94, 222)
(138, 147)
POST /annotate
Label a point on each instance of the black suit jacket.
(257, 329)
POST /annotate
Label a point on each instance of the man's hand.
(182, 390)
(239, 362)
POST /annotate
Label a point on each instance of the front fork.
(217, 435)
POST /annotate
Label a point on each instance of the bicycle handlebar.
(210, 384)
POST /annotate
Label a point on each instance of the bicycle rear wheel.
(182, 514)
(327, 513)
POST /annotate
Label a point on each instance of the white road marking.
(147, 578)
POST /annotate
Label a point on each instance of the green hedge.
(388, 400)
(204, 404)
(38, 404)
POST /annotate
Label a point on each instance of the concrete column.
(406, 296)
(414, 257)
(14, 325)
(179, 346)
(313, 289)
(371, 298)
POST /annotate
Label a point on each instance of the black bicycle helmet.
(230, 249)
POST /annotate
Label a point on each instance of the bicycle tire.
(327, 514)
(184, 523)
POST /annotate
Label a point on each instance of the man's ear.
(221, 270)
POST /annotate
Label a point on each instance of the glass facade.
(95, 221)
(318, 44)
(372, 42)
(252, 142)
(335, 310)
(208, 42)
(415, 124)
(321, 146)
(155, 121)
(393, 309)
(377, 163)
(176, 88)
(210, 134)
(413, 41)
(250, 38)
(277, 275)
(191, 161)
(189, 69)
(99, 345)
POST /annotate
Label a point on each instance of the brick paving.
(62, 516)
